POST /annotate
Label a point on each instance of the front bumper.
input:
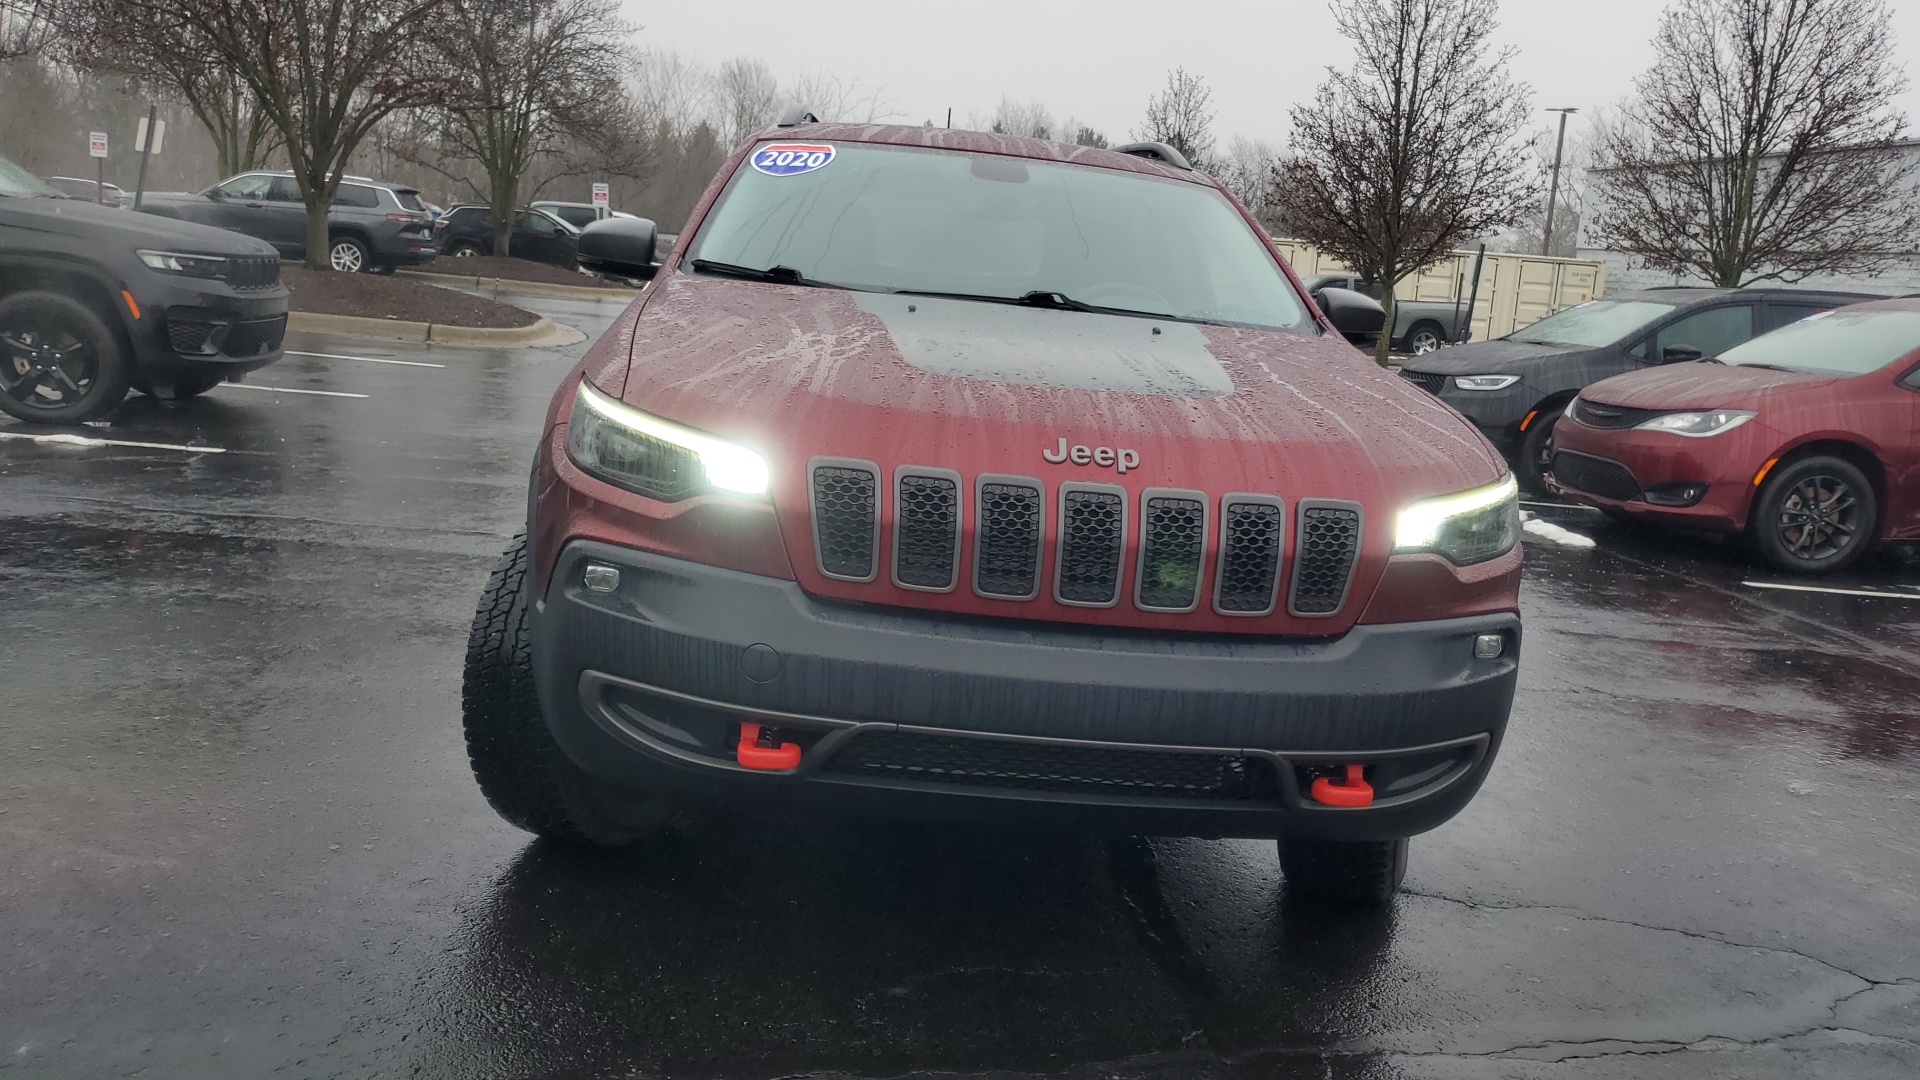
(1497, 413)
(190, 325)
(646, 685)
(1652, 461)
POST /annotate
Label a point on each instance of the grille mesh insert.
(1173, 540)
(1432, 384)
(1005, 763)
(1328, 545)
(1597, 476)
(1007, 549)
(253, 338)
(927, 541)
(1612, 417)
(845, 520)
(1250, 557)
(1092, 540)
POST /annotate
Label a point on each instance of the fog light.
(601, 578)
(1676, 494)
(1489, 646)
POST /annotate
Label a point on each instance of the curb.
(535, 288)
(542, 332)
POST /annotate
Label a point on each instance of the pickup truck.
(1419, 326)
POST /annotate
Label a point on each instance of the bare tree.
(1760, 144)
(531, 81)
(1247, 170)
(1182, 117)
(1031, 119)
(26, 27)
(1083, 134)
(839, 101)
(323, 72)
(747, 97)
(1416, 149)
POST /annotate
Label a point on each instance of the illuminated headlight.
(1485, 382)
(1698, 425)
(661, 460)
(1467, 528)
(174, 262)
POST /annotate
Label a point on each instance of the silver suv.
(373, 227)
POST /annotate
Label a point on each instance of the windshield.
(1838, 342)
(1592, 324)
(17, 181)
(915, 219)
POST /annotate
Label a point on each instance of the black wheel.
(522, 771)
(59, 361)
(348, 255)
(1535, 459)
(1349, 873)
(465, 249)
(1815, 515)
(1425, 337)
(383, 269)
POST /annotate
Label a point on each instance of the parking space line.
(82, 440)
(364, 359)
(288, 390)
(1831, 591)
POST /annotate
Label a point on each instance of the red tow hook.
(761, 748)
(1352, 792)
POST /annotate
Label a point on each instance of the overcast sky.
(1100, 62)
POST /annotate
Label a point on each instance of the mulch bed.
(515, 270)
(369, 296)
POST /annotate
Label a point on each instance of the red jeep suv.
(955, 472)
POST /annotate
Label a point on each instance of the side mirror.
(1356, 315)
(624, 247)
(1680, 354)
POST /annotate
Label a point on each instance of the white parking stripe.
(365, 359)
(1830, 591)
(81, 440)
(288, 390)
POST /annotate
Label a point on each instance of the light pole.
(1553, 187)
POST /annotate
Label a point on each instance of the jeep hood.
(77, 217)
(975, 387)
(1699, 386)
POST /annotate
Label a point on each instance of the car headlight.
(1470, 527)
(661, 460)
(1698, 425)
(175, 262)
(1485, 382)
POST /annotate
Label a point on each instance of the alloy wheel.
(347, 257)
(1424, 342)
(1818, 517)
(44, 366)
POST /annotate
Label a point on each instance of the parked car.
(963, 473)
(90, 190)
(95, 301)
(579, 215)
(1514, 388)
(1806, 439)
(373, 227)
(1419, 326)
(467, 230)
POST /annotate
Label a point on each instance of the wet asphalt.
(238, 837)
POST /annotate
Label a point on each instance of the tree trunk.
(505, 192)
(317, 229)
(1385, 345)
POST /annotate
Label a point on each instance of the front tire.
(1536, 452)
(60, 363)
(348, 255)
(522, 771)
(1815, 516)
(465, 250)
(1425, 337)
(1343, 873)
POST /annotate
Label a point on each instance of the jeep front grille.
(1092, 545)
(1006, 555)
(1327, 547)
(1173, 545)
(926, 529)
(1253, 532)
(846, 517)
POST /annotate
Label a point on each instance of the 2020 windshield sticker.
(791, 159)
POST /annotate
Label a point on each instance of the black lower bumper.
(186, 329)
(646, 685)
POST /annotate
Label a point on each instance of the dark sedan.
(466, 231)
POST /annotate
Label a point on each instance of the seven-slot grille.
(930, 513)
(248, 273)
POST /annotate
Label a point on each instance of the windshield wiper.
(779, 275)
(1042, 298)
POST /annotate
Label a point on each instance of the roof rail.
(798, 114)
(1157, 151)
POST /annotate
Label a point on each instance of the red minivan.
(954, 473)
(1807, 439)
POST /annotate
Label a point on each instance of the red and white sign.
(96, 144)
(600, 197)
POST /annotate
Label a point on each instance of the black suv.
(1514, 388)
(538, 236)
(94, 301)
(373, 227)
